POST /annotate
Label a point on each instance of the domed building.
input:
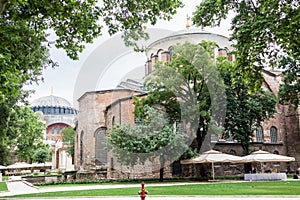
(57, 113)
(101, 110)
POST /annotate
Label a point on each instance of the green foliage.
(245, 111)
(74, 22)
(154, 137)
(25, 132)
(68, 137)
(21, 59)
(26, 27)
(262, 30)
(289, 91)
(41, 155)
(188, 88)
(130, 17)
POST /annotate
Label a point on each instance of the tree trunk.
(199, 140)
(2, 5)
(203, 141)
(161, 170)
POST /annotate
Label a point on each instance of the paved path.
(21, 187)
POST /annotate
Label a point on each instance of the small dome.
(51, 101)
(53, 105)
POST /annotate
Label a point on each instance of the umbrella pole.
(213, 170)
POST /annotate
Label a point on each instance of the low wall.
(41, 179)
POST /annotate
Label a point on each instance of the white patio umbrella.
(2, 167)
(19, 165)
(264, 156)
(46, 164)
(212, 157)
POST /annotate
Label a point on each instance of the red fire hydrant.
(143, 192)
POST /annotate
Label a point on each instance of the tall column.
(165, 56)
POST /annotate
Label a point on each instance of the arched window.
(52, 110)
(48, 110)
(58, 130)
(113, 121)
(276, 152)
(159, 53)
(100, 148)
(44, 110)
(259, 134)
(273, 134)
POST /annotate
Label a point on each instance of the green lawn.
(3, 186)
(241, 188)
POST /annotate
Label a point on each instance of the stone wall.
(293, 136)
(91, 118)
(103, 109)
(121, 112)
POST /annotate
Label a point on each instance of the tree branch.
(2, 5)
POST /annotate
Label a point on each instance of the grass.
(3, 186)
(239, 188)
(105, 182)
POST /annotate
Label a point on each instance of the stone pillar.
(222, 52)
(230, 57)
(149, 64)
(146, 69)
(165, 56)
(154, 59)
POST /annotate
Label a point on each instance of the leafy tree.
(261, 30)
(180, 80)
(41, 155)
(153, 137)
(68, 137)
(21, 60)
(25, 132)
(244, 111)
(189, 89)
(26, 27)
(289, 91)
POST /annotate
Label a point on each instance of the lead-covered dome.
(53, 105)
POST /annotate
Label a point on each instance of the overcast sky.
(63, 78)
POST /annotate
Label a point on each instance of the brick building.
(100, 110)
